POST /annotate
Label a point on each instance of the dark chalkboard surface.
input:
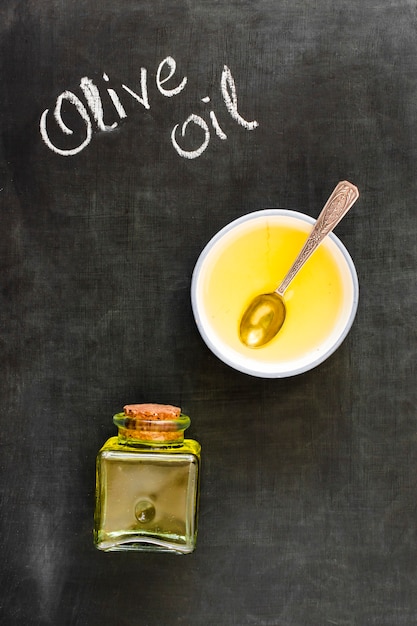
(132, 131)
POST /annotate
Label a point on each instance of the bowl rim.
(241, 367)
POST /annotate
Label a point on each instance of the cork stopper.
(152, 411)
(151, 423)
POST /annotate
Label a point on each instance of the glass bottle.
(147, 482)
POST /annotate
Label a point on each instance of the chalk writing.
(92, 112)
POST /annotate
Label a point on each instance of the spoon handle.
(341, 200)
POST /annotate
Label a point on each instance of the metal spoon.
(265, 315)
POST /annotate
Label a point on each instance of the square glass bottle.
(147, 483)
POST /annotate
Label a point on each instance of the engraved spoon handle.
(341, 200)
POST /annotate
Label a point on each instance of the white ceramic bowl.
(271, 361)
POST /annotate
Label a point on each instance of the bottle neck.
(133, 430)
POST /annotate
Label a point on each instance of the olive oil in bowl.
(249, 257)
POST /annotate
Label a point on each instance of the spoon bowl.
(262, 319)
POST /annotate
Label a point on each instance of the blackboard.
(132, 131)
